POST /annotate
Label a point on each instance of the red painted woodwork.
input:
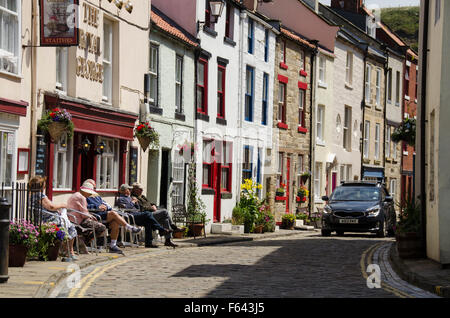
(283, 66)
(288, 176)
(13, 107)
(301, 200)
(302, 85)
(280, 198)
(282, 126)
(283, 79)
(302, 130)
(50, 162)
(95, 120)
(303, 73)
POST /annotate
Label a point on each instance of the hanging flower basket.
(147, 136)
(405, 132)
(56, 122)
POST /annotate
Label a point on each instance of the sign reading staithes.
(59, 22)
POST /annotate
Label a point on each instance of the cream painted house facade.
(99, 82)
(433, 135)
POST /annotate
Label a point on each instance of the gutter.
(424, 61)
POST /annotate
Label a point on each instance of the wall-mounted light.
(118, 3)
(216, 8)
(100, 148)
(129, 7)
(86, 146)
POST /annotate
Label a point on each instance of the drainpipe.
(311, 122)
(386, 71)
(363, 106)
(34, 101)
(423, 92)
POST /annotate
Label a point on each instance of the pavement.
(37, 279)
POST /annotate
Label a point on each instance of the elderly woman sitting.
(52, 212)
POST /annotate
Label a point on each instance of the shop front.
(98, 149)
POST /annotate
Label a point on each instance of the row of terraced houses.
(267, 90)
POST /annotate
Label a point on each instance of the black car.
(359, 207)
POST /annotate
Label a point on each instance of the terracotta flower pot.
(178, 235)
(197, 229)
(17, 255)
(258, 229)
(53, 251)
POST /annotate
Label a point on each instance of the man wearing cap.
(114, 220)
(145, 219)
(161, 215)
(132, 205)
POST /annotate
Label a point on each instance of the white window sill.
(348, 86)
(407, 97)
(318, 200)
(389, 101)
(405, 153)
(397, 104)
(320, 143)
(11, 75)
(322, 84)
(415, 101)
(378, 107)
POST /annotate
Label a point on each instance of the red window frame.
(207, 14)
(227, 165)
(283, 115)
(221, 94)
(228, 32)
(302, 118)
(210, 165)
(204, 107)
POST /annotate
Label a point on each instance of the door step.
(226, 228)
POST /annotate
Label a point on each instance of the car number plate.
(348, 221)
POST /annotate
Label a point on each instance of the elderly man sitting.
(162, 216)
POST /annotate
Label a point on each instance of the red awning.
(13, 107)
(95, 119)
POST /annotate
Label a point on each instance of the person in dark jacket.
(132, 204)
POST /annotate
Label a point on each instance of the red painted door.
(288, 180)
(334, 181)
(217, 168)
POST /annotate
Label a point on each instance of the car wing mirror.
(389, 199)
(325, 198)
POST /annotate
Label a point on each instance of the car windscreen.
(356, 194)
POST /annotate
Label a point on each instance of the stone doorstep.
(413, 278)
(304, 228)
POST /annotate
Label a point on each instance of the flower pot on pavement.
(17, 255)
(409, 245)
(258, 229)
(53, 251)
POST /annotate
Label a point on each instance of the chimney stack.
(347, 5)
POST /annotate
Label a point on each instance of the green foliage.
(56, 115)
(410, 218)
(22, 232)
(238, 216)
(404, 21)
(196, 209)
(302, 216)
(288, 220)
(406, 132)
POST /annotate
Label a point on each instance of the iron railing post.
(4, 239)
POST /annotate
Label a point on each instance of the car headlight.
(373, 211)
(327, 210)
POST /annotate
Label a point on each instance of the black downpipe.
(311, 135)
(363, 106)
(424, 71)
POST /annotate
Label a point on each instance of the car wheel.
(340, 233)
(326, 232)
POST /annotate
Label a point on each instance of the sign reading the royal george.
(59, 19)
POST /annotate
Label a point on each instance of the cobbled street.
(295, 266)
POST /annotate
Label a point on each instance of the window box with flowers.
(280, 193)
(187, 149)
(56, 122)
(406, 132)
(147, 136)
(302, 194)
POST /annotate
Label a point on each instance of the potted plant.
(408, 237)
(406, 132)
(188, 148)
(249, 204)
(22, 236)
(288, 221)
(302, 193)
(280, 191)
(50, 240)
(304, 177)
(268, 219)
(196, 214)
(147, 136)
(181, 234)
(56, 122)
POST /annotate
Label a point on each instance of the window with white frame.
(280, 169)
(179, 83)
(61, 68)
(367, 84)
(389, 86)
(7, 150)
(393, 188)
(10, 16)
(388, 142)
(322, 69)
(377, 141)
(301, 108)
(378, 88)
(320, 124)
(346, 172)
(108, 165)
(348, 129)
(154, 56)
(366, 138)
(299, 169)
(349, 69)
(107, 60)
(62, 165)
(394, 151)
(317, 180)
(397, 89)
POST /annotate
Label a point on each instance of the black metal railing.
(23, 206)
